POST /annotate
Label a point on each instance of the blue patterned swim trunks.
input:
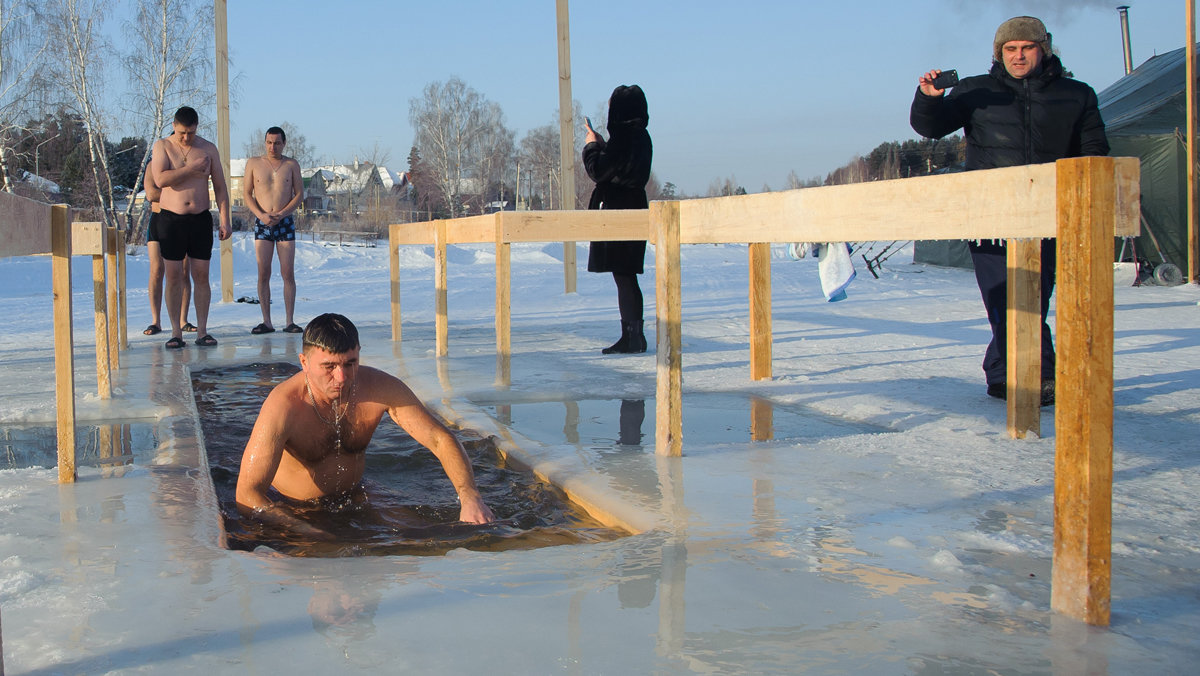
(283, 231)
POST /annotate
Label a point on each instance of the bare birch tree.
(539, 159)
(494, 151)
(540, 156)
(75, 27)
(454, 124)
(168, 65)
(22, 46)
(376, 154)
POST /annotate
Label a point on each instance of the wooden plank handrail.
(500, 229)
(1084, 202)
(1009, 203)
(32, 228)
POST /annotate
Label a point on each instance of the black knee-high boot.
(629, 299)
(632, 341)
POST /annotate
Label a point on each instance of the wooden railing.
(30, 228)
(1084, 202)
(341, 237)
(502, 229)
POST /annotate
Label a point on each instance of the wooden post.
(64, 350)
(1024, 337)
(762, 419)
(103, 377)
(760, 311)
(1193, 225)
(122, 315)
(668, 418)
(221, 30)
(503, 308)
(394, 267)
(566, 131)
(441, 321)
(672, 604)
(1083, 419)
(110, 257)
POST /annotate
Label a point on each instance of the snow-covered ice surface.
(890, 526)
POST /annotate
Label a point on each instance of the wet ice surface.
(911, 537)
(103, 445)
(411, 507)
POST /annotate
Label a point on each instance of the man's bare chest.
(179, 156)
(273, 179)
(313, 439)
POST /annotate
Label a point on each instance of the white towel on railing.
(834, 266)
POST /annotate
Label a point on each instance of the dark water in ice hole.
(412, 506)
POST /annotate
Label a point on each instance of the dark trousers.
(991, 272)
(629, 297)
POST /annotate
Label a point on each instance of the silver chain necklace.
(336, 423)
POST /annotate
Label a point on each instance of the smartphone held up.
(945, 80)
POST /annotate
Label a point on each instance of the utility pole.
(566, 130)
(1190, 53)
(222, 47)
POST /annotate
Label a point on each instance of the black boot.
(637, 338)
(621, 346)
(632, 341)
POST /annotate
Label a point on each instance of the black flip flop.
(190, 328)
(263, 328)
(175, 344)
(152, 330)
(292, 328)
(206, 341)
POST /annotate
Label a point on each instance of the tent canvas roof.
(1150, 100)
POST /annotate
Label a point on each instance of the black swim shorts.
(185, 235)
(154, 233)
(283, 231)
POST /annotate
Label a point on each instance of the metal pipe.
(1124, 10)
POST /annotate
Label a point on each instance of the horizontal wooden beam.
(1009, 203)
(531, 226)
(411, 233)
(88, 238)
(471, 230)
(24, 227)
(593, 226)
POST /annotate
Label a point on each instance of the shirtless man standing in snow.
(182, 164)
(153, 195)
(273, 189)
(311, 435)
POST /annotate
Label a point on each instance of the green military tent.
(1145, 117)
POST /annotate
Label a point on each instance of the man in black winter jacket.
(1024, 111)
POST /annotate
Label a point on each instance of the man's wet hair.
(277, 130)
(187, 116)
(331, 332)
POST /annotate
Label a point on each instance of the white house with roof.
(353, 188)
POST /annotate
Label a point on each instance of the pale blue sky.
(752, 89)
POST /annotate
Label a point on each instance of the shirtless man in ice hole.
(310, 438)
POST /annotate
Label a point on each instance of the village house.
(354, 189)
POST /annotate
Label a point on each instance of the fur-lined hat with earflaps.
(1025, 28)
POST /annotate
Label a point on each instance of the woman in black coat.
(621, 169)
